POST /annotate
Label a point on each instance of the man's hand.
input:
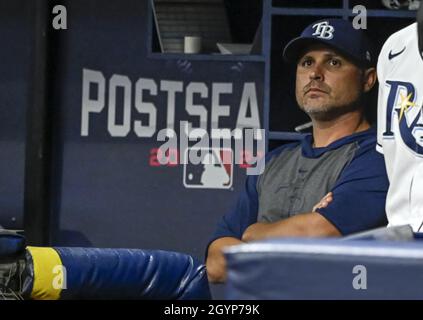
(324, 202)
(216, 262)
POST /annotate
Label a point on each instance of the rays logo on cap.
(323, 30)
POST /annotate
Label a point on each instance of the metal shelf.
(389, 14)
(341, 12)
(308, 12)
(285, 135)
(207, 57)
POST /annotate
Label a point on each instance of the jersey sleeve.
(242, 214)
(360, 193)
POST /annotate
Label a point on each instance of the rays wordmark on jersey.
(402, 104)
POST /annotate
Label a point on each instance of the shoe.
(15, 274)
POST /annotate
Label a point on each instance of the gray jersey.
(293, 183)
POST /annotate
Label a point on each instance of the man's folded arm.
(310, 224)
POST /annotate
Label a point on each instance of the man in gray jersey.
(334, 73)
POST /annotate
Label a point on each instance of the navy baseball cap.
(336, 33)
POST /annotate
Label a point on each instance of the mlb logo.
(214, 169)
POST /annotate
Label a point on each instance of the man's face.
(327, 84)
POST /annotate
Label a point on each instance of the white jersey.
(400, 126)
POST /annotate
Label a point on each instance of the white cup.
(192, 44)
